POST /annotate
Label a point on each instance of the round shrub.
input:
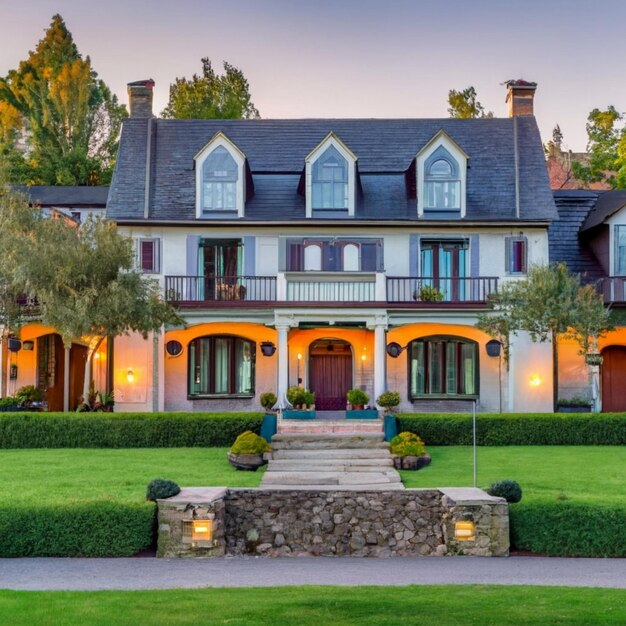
(249, 443)
(407, 444)
(388, 399)
(268, 400)
(357, 397)
(159, 488)
(507, 489)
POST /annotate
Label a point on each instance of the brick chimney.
(140, 98)
(520, 96)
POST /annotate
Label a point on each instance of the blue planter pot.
(299, 415)
(366, 414)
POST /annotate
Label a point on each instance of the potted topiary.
(303, 402)
(247, 451)
(268, 400)
(389, 400)
(408, 452)
(357, 398)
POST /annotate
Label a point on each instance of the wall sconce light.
(493, 347)
(299, 356)
(267, 348)
(363, 357)
(130, 376)
(394, 349)
(535, 380)
(13, 372)
(14, 344)
(173, 347)
(28, 345)
(464, 530)
(202, 530)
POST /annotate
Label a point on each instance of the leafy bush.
(357, 397)
(268, 400)
(298, 396)
(566, 528)
(575, 401)
(407, 444)
(8, 403)
(388, 399)
(124, 430)
(98, 528)
(28, 394)
(161, 488)
(507, 489)
(249, 443)
(518, 429)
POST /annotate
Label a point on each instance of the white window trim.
(331, 140)
(441, 139)
(240, 159)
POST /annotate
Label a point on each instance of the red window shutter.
(147, 256)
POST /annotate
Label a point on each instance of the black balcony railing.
(428, 289)
(613, 288)
(220, 288)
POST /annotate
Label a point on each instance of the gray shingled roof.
(66, 196)
(608, 203)
(565, 244)
(276, 149)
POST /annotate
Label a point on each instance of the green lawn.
(302, 606)
(48, 476)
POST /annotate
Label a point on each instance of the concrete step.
(313, 454)
(348, 465)
(328, 441)
(330, 426)
(313, 488)
(329, 478)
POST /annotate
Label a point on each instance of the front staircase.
(331, 456)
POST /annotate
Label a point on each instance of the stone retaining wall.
(411, 522)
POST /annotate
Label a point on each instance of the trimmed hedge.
(97, 528)
(569, 528)
(124, 430)
(518, 429)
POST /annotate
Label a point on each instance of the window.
(516, 255)
(219, 181)
(149, 256)
(221, 365)
(330, 181)
(443, 366)
(620, 251)
(334, 255)
(444, 267)
(442, 184)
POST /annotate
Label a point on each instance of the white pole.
(474, 440)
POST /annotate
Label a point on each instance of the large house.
(332, 254)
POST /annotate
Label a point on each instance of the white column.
(66, 382)
(283, 364)
(380, 359)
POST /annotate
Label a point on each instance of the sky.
(351, 58)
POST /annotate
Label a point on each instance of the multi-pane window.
(442, 183)
(220, 176)
(221, 365)
(620, 250)
(330, 181)
(516, 255)
(334, 255)
(149, 255)
(443, 366)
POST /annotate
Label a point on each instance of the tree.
(211, 96)
(606, 147)
(59, 123)
(82, 277)
(464, 105)
(549, 303)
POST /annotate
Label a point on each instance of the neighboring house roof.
(66, 196)
(563, 234)
(608, 203)
(276, 151)
(560, 171)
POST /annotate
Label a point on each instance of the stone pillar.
(283, 364)
(380, 355)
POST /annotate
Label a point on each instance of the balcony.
(353, 288)
(613, 289)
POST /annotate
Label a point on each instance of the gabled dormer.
(330, 171)
(441, 170)
(220, 179)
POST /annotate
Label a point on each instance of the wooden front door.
(613, 377)
(330, 377)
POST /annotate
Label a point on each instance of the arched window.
(220, 175)
(330, 181)
(443, 366)
(442, 182)
(312, 257)
(221, 365)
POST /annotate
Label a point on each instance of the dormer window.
(441, 178)
(330, 179)
(220, 179)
